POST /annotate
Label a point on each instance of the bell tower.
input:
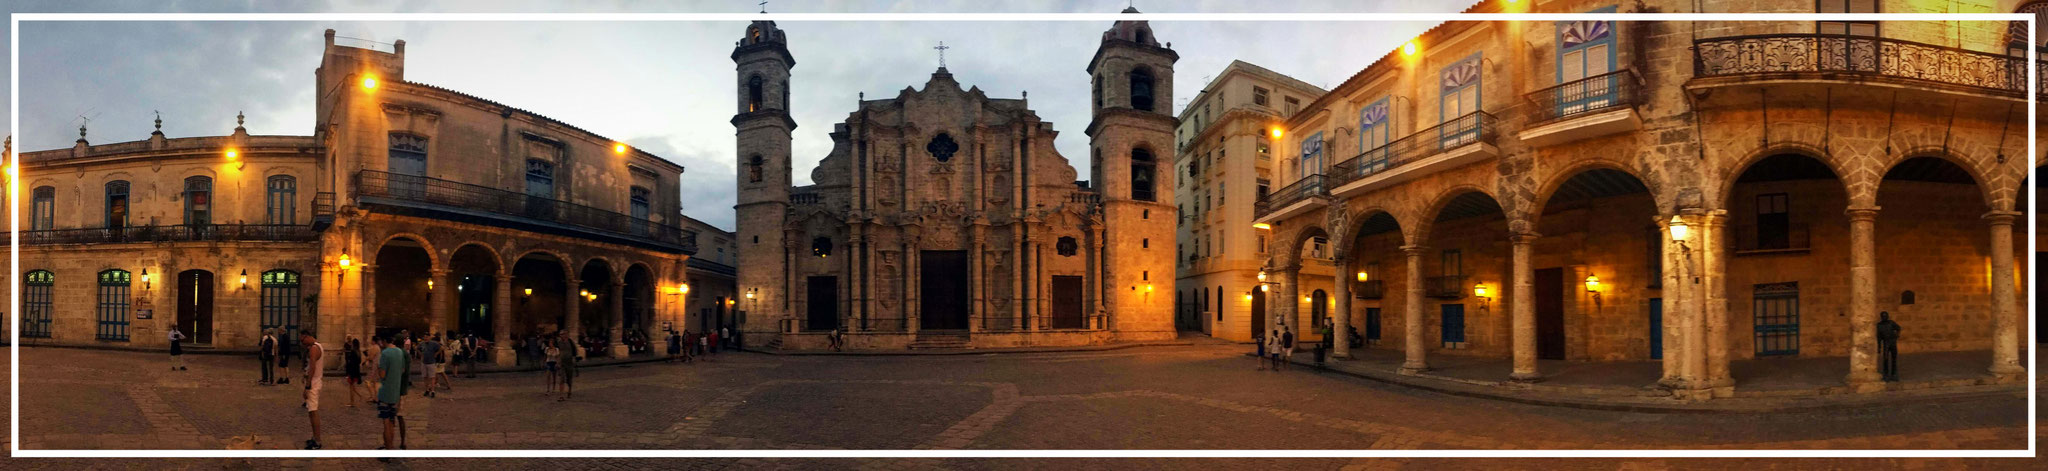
(762, 128)
(1131, 161)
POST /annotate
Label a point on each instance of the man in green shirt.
(391, 366)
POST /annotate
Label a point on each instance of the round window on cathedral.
(942, 147)
(1067, 247)
(821, 246)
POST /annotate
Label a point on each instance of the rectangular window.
(1459, 88)
(281, 301)
(1265, 151)
(117, 204)
(42, 208)
(1454, 325)
(407, 162)
(1293, 105)
(639, 197)
(1773, 221)
(35, 304)
(1265, 186)
(112, 311)
(1219, 302)
(1321, 248)
(1453, 263)
(198, 201)
(1312, 155)
(1222, 247)
(1852, 28)
(1262, 243)
(283, 193)
(1377, 129)
(1259, 96)
(1585, 50)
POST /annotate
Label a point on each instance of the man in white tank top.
(315, 370)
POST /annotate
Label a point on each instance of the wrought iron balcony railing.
(453, 194)
(323, 210)
(1755, 239)
(1476, 127)
(1445, 287)
(175, 233)
(1610, 91)
(1859, 55)
(1306, 187)
(1374, 289)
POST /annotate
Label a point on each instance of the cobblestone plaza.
(1202, 396)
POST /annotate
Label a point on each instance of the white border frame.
(14, 224)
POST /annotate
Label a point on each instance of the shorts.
(312, 396)
(1287, 352)
(433, 368)
(387, 410)
(551, 367)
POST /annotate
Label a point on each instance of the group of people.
(1275, 347)
(685, 346)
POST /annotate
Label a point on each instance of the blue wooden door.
(1454, 325)
(1776, 310)
(1372, 324)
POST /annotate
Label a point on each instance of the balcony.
(1461, 141)
(1292, 199)
(1859, 59)
(1445, 287)
(1374, 289)
(323, 210)
(174, 233)
(804, 198)
(444, 199)
(1595, 106)
(1752, 240)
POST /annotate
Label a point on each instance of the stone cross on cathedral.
(764, 6)
(942, 53)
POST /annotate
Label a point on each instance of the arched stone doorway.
(1931, 241)
(1778, 208)
(639, 305)
(1597, 270)
(539, 290)
(596, 290)
(474, 271)
(403, 300)
(1466, 252)
(1378, 273)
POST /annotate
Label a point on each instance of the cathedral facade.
(943, 218)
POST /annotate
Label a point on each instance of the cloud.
(665, 87)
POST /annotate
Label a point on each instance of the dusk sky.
(664, 87)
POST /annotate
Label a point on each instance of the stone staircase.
(942, 339)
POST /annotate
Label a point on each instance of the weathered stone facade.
(410, 207)
(945, 218)
(1819, 179)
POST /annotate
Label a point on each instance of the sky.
(663, 87)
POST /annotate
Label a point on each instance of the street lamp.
(1593, 288)
(1479, 291)
(1679, 234)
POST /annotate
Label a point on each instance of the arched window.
(117, 204)
(283, 194)
(754, 168)
(754, 94)
(198, 200)
(42, 208)
(1141, 89)
(753, 35)
(112, 307)
(36, 303)
(1098, 91)
(281, 302)
(2016, 34)
(821, 246)
(1141, 175)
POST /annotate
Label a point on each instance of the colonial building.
(946, 218)
(409, 207)
(713, 292)
(1224, 142)
(1689, 192)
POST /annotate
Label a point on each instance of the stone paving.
(1187, 397)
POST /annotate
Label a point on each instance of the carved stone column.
(1417, 358)
(439, 309)
(2005, 319)
(1522, 305)
(975, 314)
(1714, 293)
(615, 307)
(1863, 375)
(1340, 321)
(501, 321)
(572, 321)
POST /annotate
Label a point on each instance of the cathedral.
(944, 218)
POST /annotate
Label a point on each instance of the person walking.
(266, 352)
(725, 335)
(352, 369)
(675, 346)
(177, 349)
(391, 366)
(315, 371)
(1286, 348)
(475, 347)
(569, 362)
(711, 347)
(1259, 346)
(284, 352)
(554, 361)
(703, 343)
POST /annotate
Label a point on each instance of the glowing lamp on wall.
(1593, 288)
(1361, 277)
(1262, 226)
(618, 148)
(369, 83)
(245, 279)
(529, 292)
(1479, 291)
(1408, 49)
(145, 278)
(1262, 276)
(344, 261)
(1276, 132)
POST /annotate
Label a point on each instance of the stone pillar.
(615, 306)
(1417, 360)
(1026, 283)
(2005, 320)
(1522, 306)
(368, 301)
(1677, 267)
(572, 321)
(1713, 292)
(975, 316)
(440, 311)
(1863, 375)
(913, 269)
(501, 321)
(1340, 317)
